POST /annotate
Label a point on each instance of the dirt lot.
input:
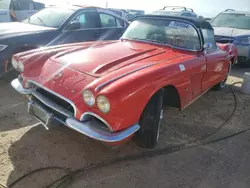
(25, 145)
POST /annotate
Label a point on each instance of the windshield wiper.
(41, 21)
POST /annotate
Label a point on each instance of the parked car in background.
(58, 25)
(208, 19)
(128, 14)
(176, 11)
(121, 12)
(234, 27)
(17, 10)
(132, 13)
(112, 90)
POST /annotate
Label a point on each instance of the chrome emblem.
(58, 75)
(182, 67)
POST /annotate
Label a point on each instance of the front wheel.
(150, 122)
(222, 84)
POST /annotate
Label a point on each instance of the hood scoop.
(119, 61)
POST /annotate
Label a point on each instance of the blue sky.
(202, 7)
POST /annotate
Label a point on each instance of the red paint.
(88, 65)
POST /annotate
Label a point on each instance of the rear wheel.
(150, 122)
(222, 84)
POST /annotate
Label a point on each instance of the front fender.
(129, 95)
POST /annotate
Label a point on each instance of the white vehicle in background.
(127, 14)
(17, 10)
(176, 11)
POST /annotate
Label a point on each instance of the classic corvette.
(113, 90)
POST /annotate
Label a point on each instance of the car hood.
(101, 60)
(16, 27)
(67, 69)
(230, 32)
(97, 59)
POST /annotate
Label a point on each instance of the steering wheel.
(156, 37)
(178, 41)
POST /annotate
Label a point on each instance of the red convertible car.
(113, 90)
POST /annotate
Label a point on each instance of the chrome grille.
(53, 101)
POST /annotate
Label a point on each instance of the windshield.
(240, 21)
(50, 17)
(168, 32)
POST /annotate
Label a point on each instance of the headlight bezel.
(103, 99)
(86, 93)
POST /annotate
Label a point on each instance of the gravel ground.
(25, 145)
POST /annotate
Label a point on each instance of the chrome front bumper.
(90, 128)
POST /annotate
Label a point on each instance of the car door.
(112, 26)
(88, 22)
(217, 62)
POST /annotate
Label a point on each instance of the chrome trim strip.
(51, 104)
(195, 99)
(56, 94)
(91, 130)
(3, 47)
(19, 88)
(128, 73)
(83, 116)
(121, 76)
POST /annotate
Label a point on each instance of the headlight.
(3, 47)
(245, 40)
(18, 65)
(103, 104)
(88, 97)
(14, 63)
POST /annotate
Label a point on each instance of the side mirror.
(207, 46)
(74, 25)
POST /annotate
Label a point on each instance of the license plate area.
(40, 113)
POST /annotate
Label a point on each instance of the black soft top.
(198, 22)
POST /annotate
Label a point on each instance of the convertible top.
(198, 22)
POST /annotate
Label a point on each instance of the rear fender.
(231, 49)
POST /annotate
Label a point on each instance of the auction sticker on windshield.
(178, 24)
